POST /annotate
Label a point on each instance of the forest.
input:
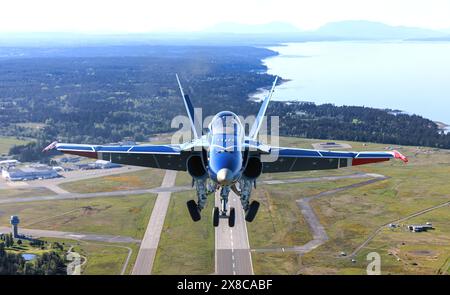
(49, 263)
(108, 94)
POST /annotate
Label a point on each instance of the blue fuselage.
(225, 152)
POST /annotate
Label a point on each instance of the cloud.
(144, 16)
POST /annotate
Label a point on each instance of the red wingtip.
(50, 147)
(398, 155)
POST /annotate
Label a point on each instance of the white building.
(9, 163)
(29, 173)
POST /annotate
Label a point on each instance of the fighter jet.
(223, 158)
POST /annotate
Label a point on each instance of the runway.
(233, 256)
(149, 245)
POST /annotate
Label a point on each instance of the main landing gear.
(222, 212)
(203, 189)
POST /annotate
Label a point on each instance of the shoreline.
(260, 93)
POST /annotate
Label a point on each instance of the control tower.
(15, 225)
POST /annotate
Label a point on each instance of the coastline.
(260, 93)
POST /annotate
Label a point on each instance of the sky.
(115, 16)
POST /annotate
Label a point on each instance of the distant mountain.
(237, 28)
(360, 29)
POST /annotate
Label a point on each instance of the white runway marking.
(232, 247)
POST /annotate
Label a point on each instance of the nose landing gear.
(222, 212)
(218, 214)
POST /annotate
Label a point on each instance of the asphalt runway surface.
(149, 245)
(233, 256)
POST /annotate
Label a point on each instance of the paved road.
(323, 179)
(94, 195)
(172, 189)
(149, 245)
(233, 255)
(71, 235)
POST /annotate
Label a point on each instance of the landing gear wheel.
(194, 211)
(232, 217)
(216, 216)
(251, 212)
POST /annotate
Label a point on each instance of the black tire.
(193, 210)
(216, 216)
(232, 217)
(251, 212)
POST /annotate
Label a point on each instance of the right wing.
(170, 157)
(294, 159)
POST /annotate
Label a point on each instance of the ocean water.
(28, 256)
(410, 76)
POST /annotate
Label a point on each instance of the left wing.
(292, 159)
(170, 157)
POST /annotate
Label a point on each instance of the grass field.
(279, 222)
(24, 192)
(183, 178)
(101, 258)
(126, 215)
(185, 247)
(421, 253)
(143, 179)
(275, 263)
(350, 217)
(7, 142)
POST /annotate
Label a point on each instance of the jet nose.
(224, 176)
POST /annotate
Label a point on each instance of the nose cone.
(224, 176)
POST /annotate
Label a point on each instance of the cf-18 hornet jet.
(223, 158)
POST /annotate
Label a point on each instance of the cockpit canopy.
(226, 132)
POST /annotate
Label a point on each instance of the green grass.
(350, 217)
(24, 192)
(25, 247)
(7, 142)
(185, 247)
(183, 178)
(125, 215)
(143, 179)
(275, 263)
(419, 253)
(279, 222)
(102, 258)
